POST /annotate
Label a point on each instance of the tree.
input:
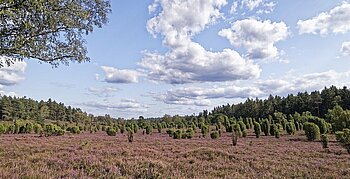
(50, 31)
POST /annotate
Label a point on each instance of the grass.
(159, 156)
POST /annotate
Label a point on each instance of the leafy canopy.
(50, 31)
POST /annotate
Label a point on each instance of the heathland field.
(157, 155)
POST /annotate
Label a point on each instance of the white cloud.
(345, 48)
(252, 4)
(131, 106)
(234, 7)
(106, 91)
(13, 74)
(7, 93)
(188, 61)
(114, 75)
(337, 20)
(258, 37)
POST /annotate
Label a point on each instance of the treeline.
(15, 108)
(317, 103)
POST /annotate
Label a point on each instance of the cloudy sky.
(159, 57)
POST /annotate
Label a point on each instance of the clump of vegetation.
(214, 134)
(265, 127)
(324, 140)
(131, 136)
(149, 129)
(237, 130)
(177, 134)
(111, 131)
(189, 133)
(53, 130)
(290, 128)
(74, 129)
(243, 128)
(312, 131)
(204, 130)
(344, 138)
(234, 138)
(257, 129)
(170, 132)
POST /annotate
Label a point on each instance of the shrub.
(122, 129)
(244, 133)
(237, 130)
(290, 128)
(214, 135)
(74, 130)
(265, 127)
(170, 132)
(177, 134)
(339, 135)
(149, 129)
(234, 138)
(204, 130)
(243, 128)
(53, 130)
(344, 138)
(257, 129)
(277, 133)
(189, 133)
(2, 129)
(312, 131)
(324, 140)
(29, 128)
(159, 128)
(111, 131)
(38, 129)
(131, 136)
(273, 129)
(229, 128)
(10, 129)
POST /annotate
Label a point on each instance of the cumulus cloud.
(337, 20)
(252, 4)
(105, 91)
(258, 37)
(187, 61)
(290, 83)
(13, 74)
(345, 48)
(132, 106)
(114, 75)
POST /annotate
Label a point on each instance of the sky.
(158, 57)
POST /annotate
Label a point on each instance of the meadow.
(157, 155)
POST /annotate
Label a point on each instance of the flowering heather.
(159, 156)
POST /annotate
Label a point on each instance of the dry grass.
(159, 156)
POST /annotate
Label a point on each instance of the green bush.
(204, 130)
(170, 132)
(53, 130)
(234, 138)
(339, 135)
(265, 127)
(312, 131)
(257, 129)
(324, 140)
(28, 128)
(149, 129)
(178, 134)
(290, 128)
(229, 128)
(244, 133)
(237, 130)
(2, 129)
(10, 129)
(189, 133)
(131, 135)
(74, 129)
(273, 129)
(214, 135)
(277, 133)
(38, 129)
(111, 131)
(344, 138)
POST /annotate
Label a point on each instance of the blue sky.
(182, 56)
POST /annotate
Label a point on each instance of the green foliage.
(74, 129)
(189, 133)
(149, 129)
(257, 129)
(170, 132)
(111, 131)
(2, 129)
(237, 130)
(53, 130)
(52, 31)
(312, 131)
(234, 138)
(290, 128)
(229, 128)
(265, 127)
(159, 128)
(177, 134)
(277, 133)
(28, 127)
(131, 135)
(214, 134)
(344, 138)
(243, 128)
(324, 140)
(273, 129)
(205, 130)
(339, 118)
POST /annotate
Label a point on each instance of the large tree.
(50, 31)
